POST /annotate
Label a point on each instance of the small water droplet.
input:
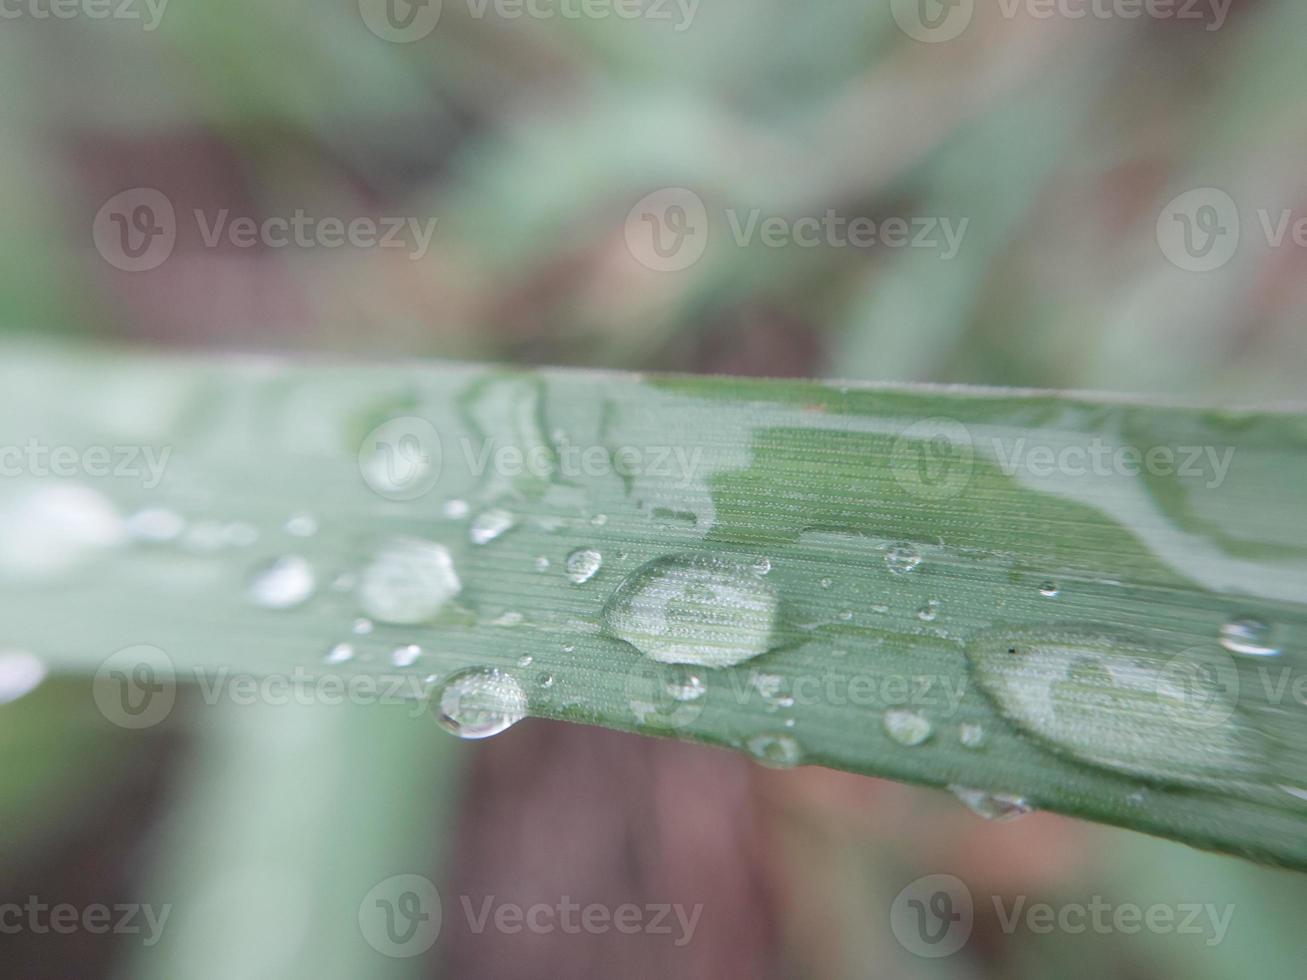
(825, 583)
(972, 736)
(340, 653)
(846, 615)
(906, 727)
(456, 510)
(526, 660)
(929, 612)
(569, 647)
(302, 525)
(156, 525)
(583, 564)
(902, 558)
(408, 582)
(20, 673)
(761, 567)
(542, 564)
(1248, 637)
(406, 655)
(694, 609)
(992, 806)
(480, 702)
(599, 520)
(683, 684)
(490, 525)
(344, 582)
(1049, 590)
(775, 751)
(545, 680)
(282, 583)
(362, 626)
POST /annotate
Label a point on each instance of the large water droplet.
(694, 609)
(1248, 638)
(489, 525)
(1112, 700)
(480, 702)
(583, 564)
(902, 559)
(907, 727)
(20, 673)
(282, 583)
(408, 582)
(775, 751)
(992, 806)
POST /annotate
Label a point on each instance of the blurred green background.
(1058, 142)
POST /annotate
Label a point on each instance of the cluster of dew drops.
(409, 580)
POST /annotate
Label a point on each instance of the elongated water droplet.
(156, 525)
(302, 525)
(406, 655)
(489, 525)
(775, 751)
(1248, 638)
(1049, 590)
(992, 806)
(408, 582)
(583, 564)
(282, 583)
(340, 653)
(1113, 700)
(480, 702)
(456, 510)
(972, 736)
(20, 673)
(907, 727)
(694, 609)
(902, 559)
(362, 627)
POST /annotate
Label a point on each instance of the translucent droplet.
(526, 660)
(694, 609)
(599, 520)
(1113, 700)
(20, 673)
(902, 558)
(569, 647)
(992, 806)
(456, 510)
(302, 525)
(762, 566)
(282, 583)
(545, 680)
(583, 564)
(340, 653)
(1248, 638)
(408, 582)
(683, 684)
(929, 612)
(972, 736)
(846, 615)
(542, 564)
(480, 702)
(362, 626)
(406, 655)
(156, 525)
(1049, 590)
(490, 524)
(775, 751)
(53, 530)
(825, 583)
(906, 727)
